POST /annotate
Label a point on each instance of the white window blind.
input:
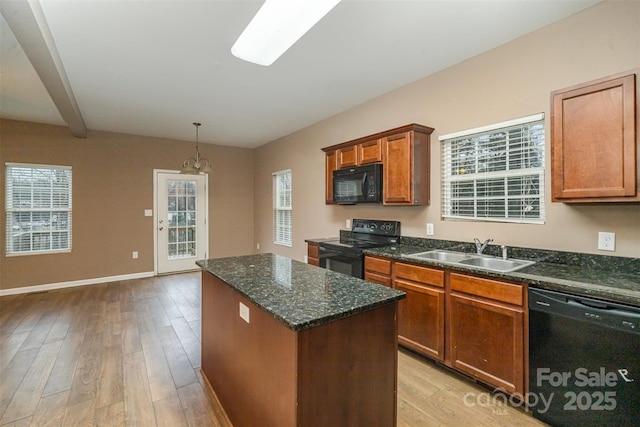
(38, 209)
(282, 226)
(495, 173)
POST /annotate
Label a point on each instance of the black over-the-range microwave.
(359, 184)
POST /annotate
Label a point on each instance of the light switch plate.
(429, 229)
(148, 212)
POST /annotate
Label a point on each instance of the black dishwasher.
(584, 360)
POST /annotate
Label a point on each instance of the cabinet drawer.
(312, 251)
(419, 274)
(377, 265)
(370, 152)
(487, 288)
(380, 279)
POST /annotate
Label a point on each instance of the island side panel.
(348, 371)
(250, 366)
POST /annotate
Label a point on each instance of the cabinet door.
(370, 152)
(421, 319)
(347, 156)
(331, 164)
(398, 169)
(486, 340)
(313, 257)
(421, 313)
(593, 141)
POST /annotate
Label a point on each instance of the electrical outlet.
(348, 223)
(135, 254)
(306, 259)
(244, 312)
(429, 229)
(258, 246)
(606, 241)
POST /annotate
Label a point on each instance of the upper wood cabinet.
(370, 152)
(360, 154)
(595, 153)
(404, 153)
(347, 156)
(331, 164)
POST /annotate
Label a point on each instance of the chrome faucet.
(481, 246)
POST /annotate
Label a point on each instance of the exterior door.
(181, 221)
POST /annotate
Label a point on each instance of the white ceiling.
(153, 67)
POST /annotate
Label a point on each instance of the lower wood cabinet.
(313, 254)
(486, 331)
(475, 325)
(377, 270)
(421, 314)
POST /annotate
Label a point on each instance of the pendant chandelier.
(195, 165)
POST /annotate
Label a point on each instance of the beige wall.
(112, 186)
(511, 81)
(113, 173)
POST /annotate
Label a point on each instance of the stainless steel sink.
(443, 256)
(484, 262)
(496, 264)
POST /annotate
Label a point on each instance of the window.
(495, 173)
(38, 209)
(282, 208)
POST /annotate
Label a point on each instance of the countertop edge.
(310, 323)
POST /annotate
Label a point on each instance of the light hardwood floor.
(128, 354)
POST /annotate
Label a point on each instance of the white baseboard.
(82, 282)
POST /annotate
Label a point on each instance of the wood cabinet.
(475, 325)
(486, 330)
(331, 164)
(313, 254)
(377, 270)
(340, 373)
(405, 156)
(347, 156)
(421, 314)
(406, 169)
(595, 153)
(370, 152)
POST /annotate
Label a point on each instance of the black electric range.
(345, 254)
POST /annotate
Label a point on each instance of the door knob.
(161, 228)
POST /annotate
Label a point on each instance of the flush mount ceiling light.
(195, 165)
(277, 26)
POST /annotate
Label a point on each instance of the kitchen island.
(289, 344)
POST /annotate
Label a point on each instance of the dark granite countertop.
(320, 240)
(299, 295)
(609, 278)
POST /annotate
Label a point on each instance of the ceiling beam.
(26, 20)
